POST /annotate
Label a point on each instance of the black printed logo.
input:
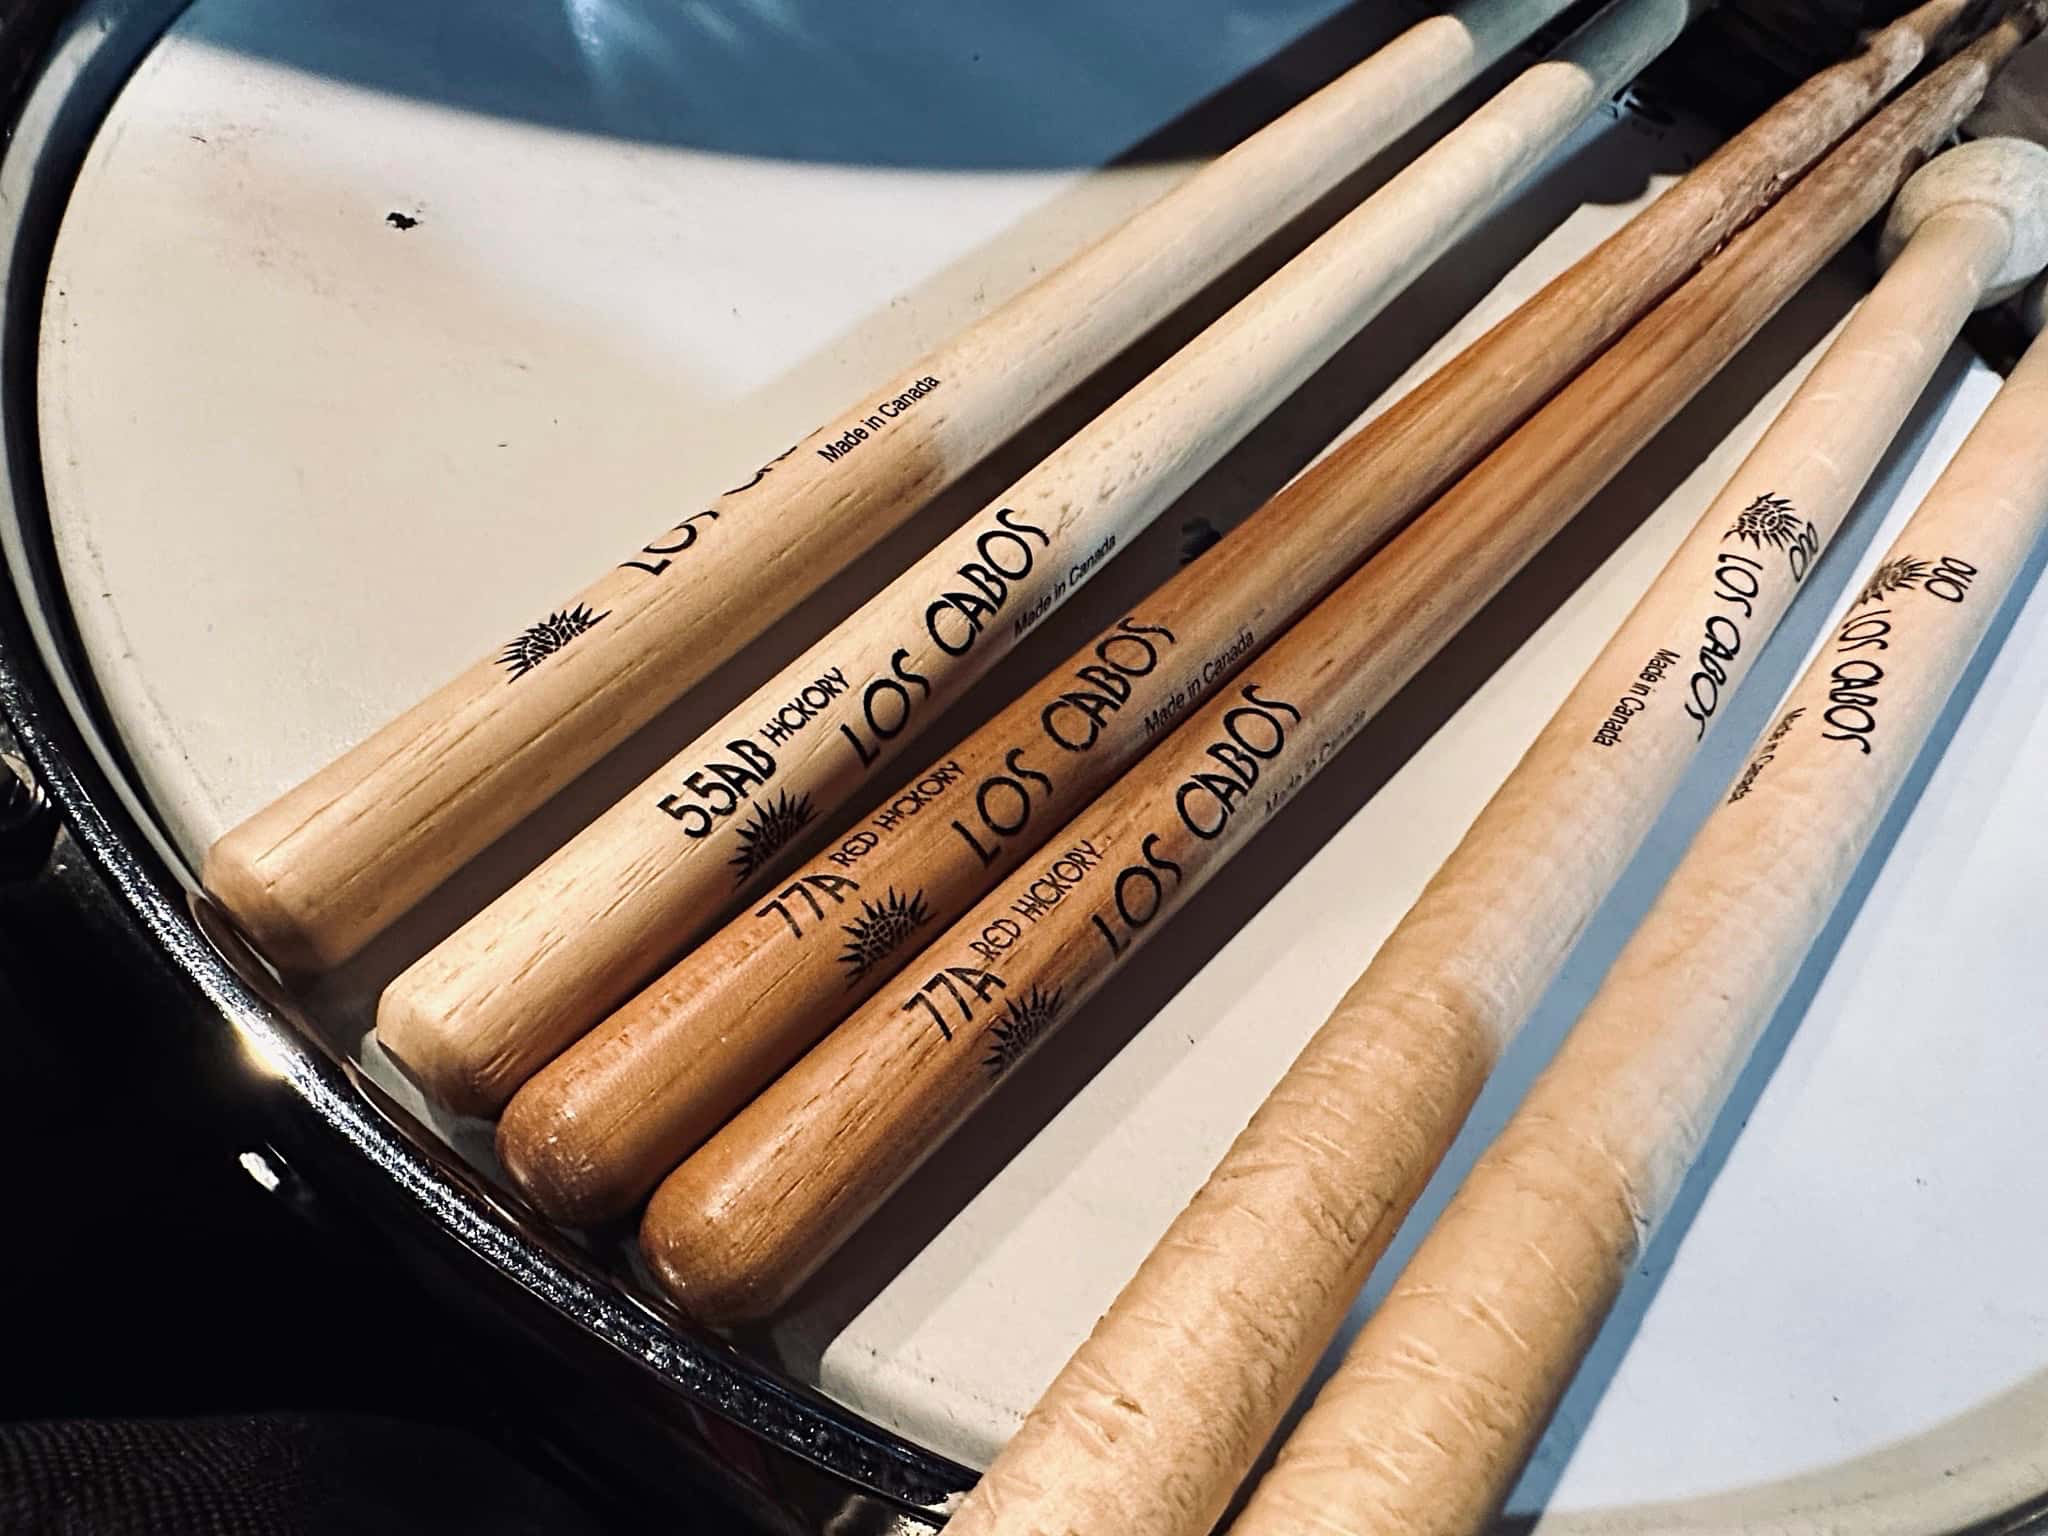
(882, 928)
(773, 826)
(1025, 1020)
(1769, 520)
(537, 642)
(1895, 574)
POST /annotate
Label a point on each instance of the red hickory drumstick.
(551, 957)
(1274, 1247)
(595, 1130)
(760, 1205)
(1443, 1394)
(318, 874)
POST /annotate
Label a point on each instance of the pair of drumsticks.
(316, 875)
(1440, 1399)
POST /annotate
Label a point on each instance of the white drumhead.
(375, 327)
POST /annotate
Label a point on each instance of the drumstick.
(476, 1016)
(316, 875)
(1274, 1247)
(591, 1133)
(761, 1204)
(1444, 1392)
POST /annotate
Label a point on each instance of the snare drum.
(341, 338)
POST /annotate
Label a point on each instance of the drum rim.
(62, 62)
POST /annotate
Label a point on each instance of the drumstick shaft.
(755, 1210)
(1271, 1251)
(319, 873)
(1443, 1394)
(591, 1133)
(475, 1017)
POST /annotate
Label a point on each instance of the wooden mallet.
(767, 1199)
(597, 1128)
(316, 875)
(476, 1016)
(1444, 1392)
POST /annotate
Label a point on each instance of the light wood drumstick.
(480, 1013)
(316, 875)
(595, 1130)
(1443, 1394)
(756, 1209)
(1274, 1247)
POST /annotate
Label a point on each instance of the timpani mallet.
(477, 1015)
(595, 1130)
(756, 1210)
(1291, 1221)
(320, 872)
(1445, 1391)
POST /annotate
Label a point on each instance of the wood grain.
(551, 957)
(1442, 1396)
(316, 875)
(595, 1130)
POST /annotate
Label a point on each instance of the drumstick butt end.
(555, 1167)
(702, 1259)
(2005, 176)
(458, 1071)
(286, 934)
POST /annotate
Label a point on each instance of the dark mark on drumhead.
(399, 220)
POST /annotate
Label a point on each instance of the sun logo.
(1768, 520)
(774, 826)
(1026, 1019)
(537, 642)
(1889, 577)
(881, 929)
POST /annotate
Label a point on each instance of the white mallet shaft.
(316, 875)
(595, 1130)
(475, 1017)
(1441, 1398)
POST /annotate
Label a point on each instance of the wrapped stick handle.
(1443, 1394)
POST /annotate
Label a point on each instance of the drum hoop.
(61, 64)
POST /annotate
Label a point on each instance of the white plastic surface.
(304, 462)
